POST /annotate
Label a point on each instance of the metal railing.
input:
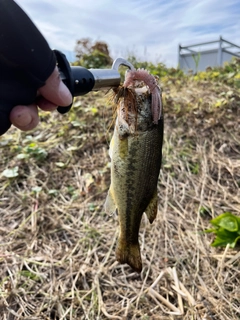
(190, 59)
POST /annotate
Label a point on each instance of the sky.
(149, 29)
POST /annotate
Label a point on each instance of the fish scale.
(136, 156)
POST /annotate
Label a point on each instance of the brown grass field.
(57, 253)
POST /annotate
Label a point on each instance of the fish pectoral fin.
(129, 253)
(109, 205)
(152, 208)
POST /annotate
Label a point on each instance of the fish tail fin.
(129, 253)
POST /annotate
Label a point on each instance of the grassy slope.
(57, 256)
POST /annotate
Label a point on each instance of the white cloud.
(150, 29)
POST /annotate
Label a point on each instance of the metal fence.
(199, 60)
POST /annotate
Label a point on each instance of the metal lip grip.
(80, 80)
(108, 78)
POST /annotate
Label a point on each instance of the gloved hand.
(26, 71)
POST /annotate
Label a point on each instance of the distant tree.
(92, 55)
(83, 46)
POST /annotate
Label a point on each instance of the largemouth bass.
(136, 155)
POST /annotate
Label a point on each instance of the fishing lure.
(151, 82)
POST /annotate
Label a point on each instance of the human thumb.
(56, 91)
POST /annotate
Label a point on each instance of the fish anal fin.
(129, 253)
(152, 208)
(109, 205)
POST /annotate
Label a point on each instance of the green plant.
(227, 230)
(32, 150)
(196, 59)
(92, 54)
(158, 69)
(11, 172)
(228, 74)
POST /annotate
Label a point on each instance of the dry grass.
(57, 244)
